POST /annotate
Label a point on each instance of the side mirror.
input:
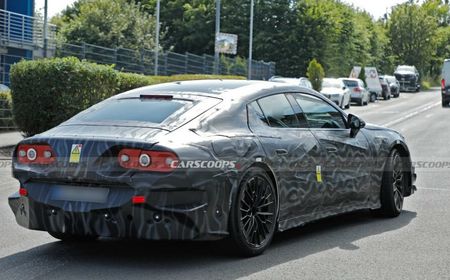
(355, 125)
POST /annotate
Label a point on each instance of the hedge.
(47, 92)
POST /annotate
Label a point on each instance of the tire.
(385, 96)
(68, 237)
(342, 104)
(348, 105)
(373, 97)
(444, 103)
(393, 186)
(254, 213)
(361, 102)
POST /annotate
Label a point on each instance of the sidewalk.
(9, 138)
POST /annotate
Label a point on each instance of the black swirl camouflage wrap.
(318, 173)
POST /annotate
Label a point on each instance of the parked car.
(359, 93)
(207, 160)
(393, 84)
(303, 82)
(408, 77)
(445, 83)
(336, 91)
(386, 89)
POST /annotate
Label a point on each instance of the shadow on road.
(187, 260)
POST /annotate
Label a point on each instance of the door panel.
(346, 161)
(293, 154)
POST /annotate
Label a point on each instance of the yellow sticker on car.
(319, 173)
(75, 153)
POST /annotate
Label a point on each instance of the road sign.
(226, 43)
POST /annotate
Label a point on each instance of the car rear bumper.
(165, 215)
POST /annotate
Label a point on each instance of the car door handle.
(331, 149)
(281, 152)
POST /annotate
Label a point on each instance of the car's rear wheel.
(254, 213)
(68, 237)
(373, 97)
(393, 186)
(444, 103)
(361, 102)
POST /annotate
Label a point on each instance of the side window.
(256, 111)
(278, 111)
(318, 113)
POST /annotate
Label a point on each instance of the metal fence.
(170, 63)
(24, 31)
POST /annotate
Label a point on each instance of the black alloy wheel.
(254, 213)
(393, 186)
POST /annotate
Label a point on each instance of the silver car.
(358, 91)
(336, 91)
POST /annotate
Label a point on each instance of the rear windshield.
(350, 83)
(134, 110)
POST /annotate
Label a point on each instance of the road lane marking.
(434, 189)
(412, 114)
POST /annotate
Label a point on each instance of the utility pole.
(158, 9)
(216, 51)
(45, 27)
(250, 44)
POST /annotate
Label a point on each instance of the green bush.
(49, 91)
(428, 82)
(315, 74)
(129, 81)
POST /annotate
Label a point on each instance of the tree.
(315, 74)
(362, 75)
(117, 23)
(412, 32)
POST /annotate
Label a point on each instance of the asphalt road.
(415, 245)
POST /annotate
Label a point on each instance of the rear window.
(135, 110)
(350, 83)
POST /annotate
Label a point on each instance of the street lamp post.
(216, 51)
(45, 27)
(158, 9)
(250, 44)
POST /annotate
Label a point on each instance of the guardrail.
(25, 30)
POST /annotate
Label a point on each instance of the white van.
(445, 83)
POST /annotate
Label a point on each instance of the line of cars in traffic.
(345, 91)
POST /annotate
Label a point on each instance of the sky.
(376, 8)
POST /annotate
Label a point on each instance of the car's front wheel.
(253, 214)
(393, 185)
(373, 97)
(68, 237)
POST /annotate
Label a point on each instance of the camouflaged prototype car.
(206, 160)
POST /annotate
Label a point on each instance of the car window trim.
(280, 93)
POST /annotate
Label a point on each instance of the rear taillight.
(158, 161)
(357, 90)
(443, 84)
(36, 154)
(23, 192)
